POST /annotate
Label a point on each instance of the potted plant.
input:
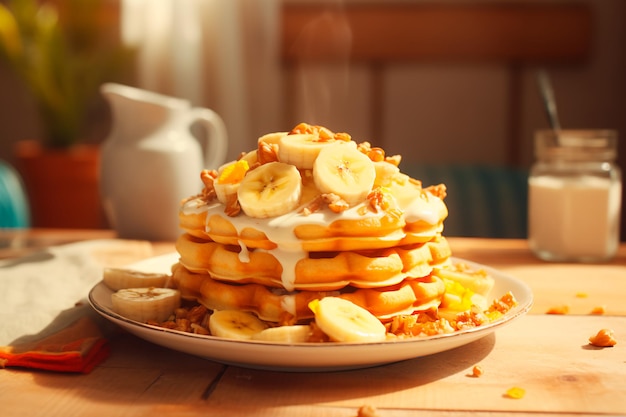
(62, 51)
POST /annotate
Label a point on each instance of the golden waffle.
(280, 306)
(418, 218)
(313, 271)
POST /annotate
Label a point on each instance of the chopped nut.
(599, 310)
(477, 371)
(335, 203)
(267, 152)
(208, 178)
(378, 200)
(604, 338)
(558, 310)
(394, 160)
(232, 208)
(437, 190)
(367, 411)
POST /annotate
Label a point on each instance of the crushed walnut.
(194, 319)
(267, 152)
(477, 371)
(604, 338)
(378, 200)
(367, 411)
(208, 177)
(563, 309)
(599, 310)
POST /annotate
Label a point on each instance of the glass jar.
(574, 196)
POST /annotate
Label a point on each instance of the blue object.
(483, 201)
(14, 206)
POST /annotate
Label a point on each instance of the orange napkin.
(37, 329)
(73, 342)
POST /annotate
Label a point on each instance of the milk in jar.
(574, 196)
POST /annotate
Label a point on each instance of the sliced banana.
(345, 171)
(301, 149)
(385, 173)
(251, 157)
(235, 324)
(146, 304)
(344, 321)
(272, 138)
(298, 333)
(270, 190)
(227, 182)
(119, 278)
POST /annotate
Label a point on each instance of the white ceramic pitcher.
(151, 160)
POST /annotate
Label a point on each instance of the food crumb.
(477, 371)
(558, 310)
(604, 338)
(599, 310)
(367, 411)
(581, 295)
(515, 393)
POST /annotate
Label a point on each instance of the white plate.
(308, 356)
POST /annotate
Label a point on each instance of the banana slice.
(227, 182)
(344, 171)
(285, 334)
(235, 324)
(120, 278)
(301, 149)
(146, 304)
(385, 173)
(270, 190)
(272, 138)
(251, 157)
(344, 321)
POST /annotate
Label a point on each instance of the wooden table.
(545, 354)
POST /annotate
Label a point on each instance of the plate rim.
(137, 328)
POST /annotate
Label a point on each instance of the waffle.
(318, 271)
(374, 239)
(281, 306)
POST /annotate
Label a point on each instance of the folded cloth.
(73, 342)
(42, 325)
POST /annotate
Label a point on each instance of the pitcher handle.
(216, 144)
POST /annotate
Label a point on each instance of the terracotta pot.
(62, 185)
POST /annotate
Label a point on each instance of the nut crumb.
(367, 411)
(477, 371)
(558, 310)
(599, 310)
(604, 338)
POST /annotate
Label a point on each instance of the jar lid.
(576, 145)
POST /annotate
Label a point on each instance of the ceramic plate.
(308, 356)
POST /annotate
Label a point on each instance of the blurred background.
(450, 85)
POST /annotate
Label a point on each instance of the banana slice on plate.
(119, 278)
(345, 171)
(270, 190)
(298, 333)
(146, 304)
(235, 324)
(344, 321)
